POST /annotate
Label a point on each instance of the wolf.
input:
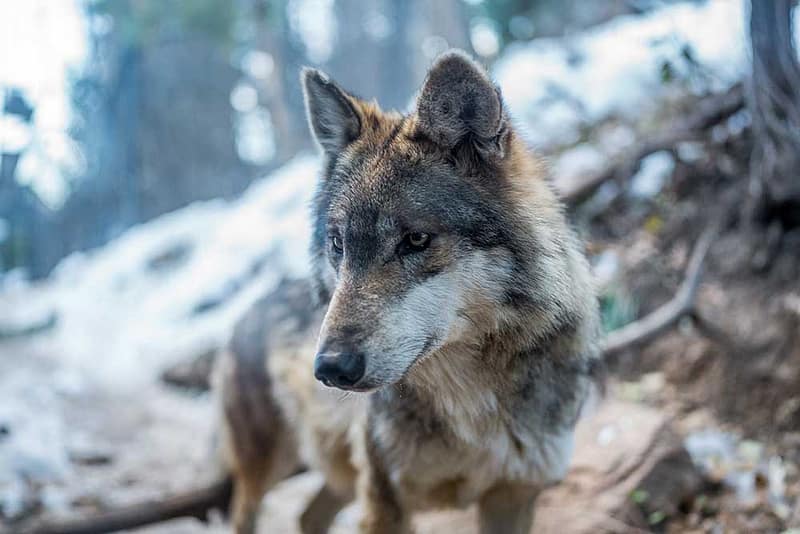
(448, 340)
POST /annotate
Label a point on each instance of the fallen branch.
(193, 374)
(708, 112)
(196, 504)
(667, 315)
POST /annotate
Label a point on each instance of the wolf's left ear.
(459, 103)
(332, 116)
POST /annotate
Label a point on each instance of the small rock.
(653, 173)
(170, 258)
(653, 383)
(84, 449)
(711, 450)
(193, 373)
(17, 500)
(91, 457)
(690, 151)
(750, 451)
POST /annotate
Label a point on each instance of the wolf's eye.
(336, 243)
(414, 242)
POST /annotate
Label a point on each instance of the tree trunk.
(773, 98)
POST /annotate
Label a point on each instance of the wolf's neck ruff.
(475, 384)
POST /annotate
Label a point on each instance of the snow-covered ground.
(163, 291)
(174, 287)
(555, 87)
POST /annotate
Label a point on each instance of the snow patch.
(654, 171)
(178, 283)
(554, 86)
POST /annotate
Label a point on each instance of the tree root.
(195, 503)
(708, 112)
(683, 304)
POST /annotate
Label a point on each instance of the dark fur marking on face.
(319, 240)
(430, 272)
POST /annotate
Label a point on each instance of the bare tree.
(773, 98)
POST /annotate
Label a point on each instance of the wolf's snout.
(339, 369)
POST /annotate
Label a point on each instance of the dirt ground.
(747, 382)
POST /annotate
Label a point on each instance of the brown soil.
(749, 383)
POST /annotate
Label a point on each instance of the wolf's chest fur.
(443, 441)
(450, 470)
(457, 431)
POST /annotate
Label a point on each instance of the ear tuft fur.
(458, 99)
(332, 117)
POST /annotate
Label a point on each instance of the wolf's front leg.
(321, 511)
(507, 509)
(382, 512)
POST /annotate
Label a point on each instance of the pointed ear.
(331, 112)
(459, 102)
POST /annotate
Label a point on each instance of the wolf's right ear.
(332, 115)
(458, 102)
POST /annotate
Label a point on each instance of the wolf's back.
(258, 443)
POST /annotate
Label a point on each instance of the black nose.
(339, 369)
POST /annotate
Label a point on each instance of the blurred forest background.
(180, 101)
(155, 175)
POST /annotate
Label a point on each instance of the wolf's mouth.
(355, 388)
(362, 386)
(358, 389)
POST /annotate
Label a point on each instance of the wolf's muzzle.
(339, 369)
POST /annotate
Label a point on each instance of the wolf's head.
(431, 228)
